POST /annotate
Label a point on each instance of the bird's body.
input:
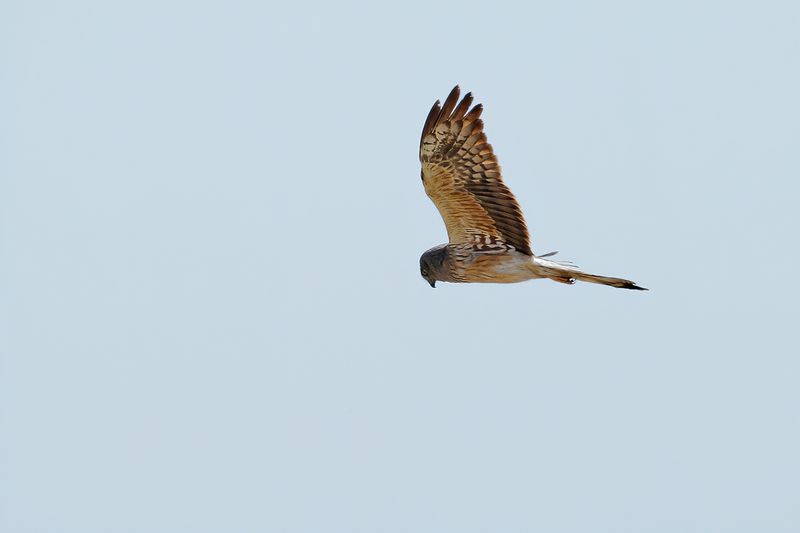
(488, 237)
(464, 265)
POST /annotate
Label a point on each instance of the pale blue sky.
(212, 315)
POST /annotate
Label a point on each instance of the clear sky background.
(212, 315)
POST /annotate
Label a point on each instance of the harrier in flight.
(489, 240)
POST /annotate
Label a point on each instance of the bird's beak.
(432, 282)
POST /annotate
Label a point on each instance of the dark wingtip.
(433, 115)
(635, 287)
(450, 103)
(548, 254)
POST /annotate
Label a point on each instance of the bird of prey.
(488, 238)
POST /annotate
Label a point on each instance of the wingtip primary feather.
(449, 104)
(474, 113)
(433, 116)
(462, 108)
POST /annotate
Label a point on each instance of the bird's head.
(432, 265)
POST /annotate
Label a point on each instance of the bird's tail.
(567, 273)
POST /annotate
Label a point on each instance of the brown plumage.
(462, 177)
(488, 237)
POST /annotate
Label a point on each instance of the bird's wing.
(462, 177)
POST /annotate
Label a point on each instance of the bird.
(488, 239)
